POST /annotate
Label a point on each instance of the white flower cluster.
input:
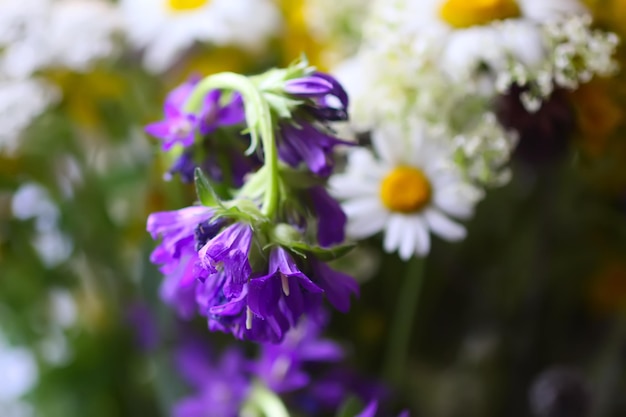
(484, 151)
(440, 65)
(413, 64)
(396, 78)
(575, 53)
(336, 24)
(41, 35)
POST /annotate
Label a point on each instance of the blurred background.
(527, 316)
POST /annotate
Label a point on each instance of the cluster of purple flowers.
(208, 271)
(252, 260)
(229, 267)
(291, 369)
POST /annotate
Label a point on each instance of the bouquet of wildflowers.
(278, 208)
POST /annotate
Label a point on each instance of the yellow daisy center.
(405, 190)
(185, 5)
(466, 13)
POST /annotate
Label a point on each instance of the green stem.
(608, 375)
(258, 118)
(400, 335)
(265, 402)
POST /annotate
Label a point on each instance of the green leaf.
(350, 408)
(323, 254)
(287, 236)
(244, 210)
(205, 192)
(281, 104)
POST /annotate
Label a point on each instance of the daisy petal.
(457, 200)
(422, 241)
(346, 186)
(443, 227)
(393, 233)
(408, 241)
(365, 217)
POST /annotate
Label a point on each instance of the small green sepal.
(205, 192)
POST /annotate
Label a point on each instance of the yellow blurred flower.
(609, 12)
(598, 114)
(82, 93)
(297, 37)
(608, 287)
(210, 61)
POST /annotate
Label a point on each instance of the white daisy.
(166, 28)
(411, 188)
(41, 34)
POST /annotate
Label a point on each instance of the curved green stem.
(400, 335)
(258, 118)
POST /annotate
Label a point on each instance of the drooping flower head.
(208, 267)
(267, 304)
(246, 262)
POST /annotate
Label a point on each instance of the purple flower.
(331, 220)
(179, 286)
(328, 99)
(222, 162)
(303, 142)
(304, 138)
(329, 390)
(184, 166)
(237, 318)
(144, 327)
(229, 251)
(177, 253)
(220, 389)
(181, 127)
(266, 307)
(178, 126)
(177, 229)
(214, 115)
(281, 366)
(284, 291)
(308, 87)
(372, 408)
(337, 286)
